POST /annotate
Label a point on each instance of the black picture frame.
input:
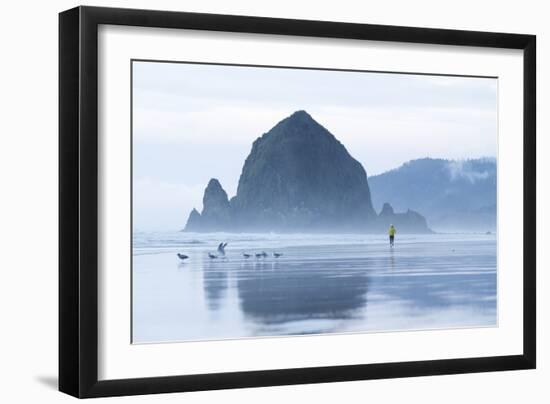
(78, 201)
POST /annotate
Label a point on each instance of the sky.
(193, 122)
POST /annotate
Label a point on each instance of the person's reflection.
(392, 259)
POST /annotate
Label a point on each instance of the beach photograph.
(282, 201)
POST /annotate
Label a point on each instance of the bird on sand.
(182, 256)
(212, 256)
(221, 248)
(246, 255)
(261, 255)
(277, 255)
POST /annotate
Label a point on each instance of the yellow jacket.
(392, 231)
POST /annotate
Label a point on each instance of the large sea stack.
(297, 178)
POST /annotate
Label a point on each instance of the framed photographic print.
(249, 201)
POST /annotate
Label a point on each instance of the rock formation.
(297, 178)
(216, 213)
(194, 221)
(407, 222)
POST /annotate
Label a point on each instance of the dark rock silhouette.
(297, 178)
(387, 211)
(216, 215)
(407, 222)
(194, 221)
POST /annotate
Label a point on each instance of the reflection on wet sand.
(215, 280)
(312, 289)
(275, 293)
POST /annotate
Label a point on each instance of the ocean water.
(321, 284)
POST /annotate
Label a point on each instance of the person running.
(391, 232)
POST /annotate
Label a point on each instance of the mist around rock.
(299, 178)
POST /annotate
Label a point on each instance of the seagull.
(260, 255)
(277, 255)
(212, 256)
(246, 255)
(182, 256)
(221, 248)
